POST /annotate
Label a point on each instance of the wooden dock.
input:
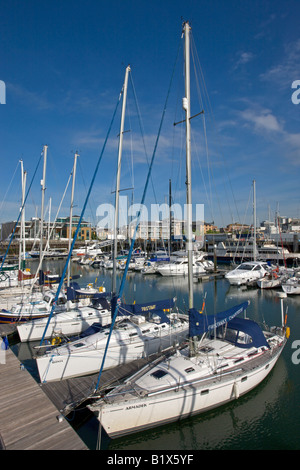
(28, 419)
(67, 394)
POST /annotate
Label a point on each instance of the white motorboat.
(247, 272)
(226, 357)
(292, 286)
(137, 336)
(180, 268)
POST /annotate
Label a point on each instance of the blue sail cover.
(157, 307)
(200, 324)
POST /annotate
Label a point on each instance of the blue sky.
(64, 62)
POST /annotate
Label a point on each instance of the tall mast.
(22, 223)
(71, 219)
(116, 218)
(187, 108)
(170, 217)
(254, 221)
(43, 183)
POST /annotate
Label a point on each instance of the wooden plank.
(28, 419)
(7, 329)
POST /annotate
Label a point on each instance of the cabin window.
(244, 379)
(253, 353)
(132, 334)
(78, 345)
(159, 374)
(206, 349)
(205, 392)
(222, 367)
(189, 370)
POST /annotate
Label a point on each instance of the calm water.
(266, 418)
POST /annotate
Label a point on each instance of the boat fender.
(235, 390)
(287, 332)
(55, 340)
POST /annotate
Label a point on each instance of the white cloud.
(28, 97)
(243, 58)
(262, 120)
(288, 69)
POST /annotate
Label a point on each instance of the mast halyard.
(116, 218)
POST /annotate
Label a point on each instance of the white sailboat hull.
(60, 366)
(268, 283)
(180, 402)
(291, 289)
(68, 323)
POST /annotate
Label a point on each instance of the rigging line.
(20, 213)
(203, 179)
(121, 289)
(246, 211)
(213, 120)
(130, 166)
(50, 234)
(85, 187)
(142, 132)
(9, 186)
(79, 221)
(209, 169)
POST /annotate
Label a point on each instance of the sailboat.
(145, 328)
(292, 285)
(74, 312)
(250, 271)
(18, 277)
(226, 356)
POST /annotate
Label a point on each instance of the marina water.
(266, 418)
